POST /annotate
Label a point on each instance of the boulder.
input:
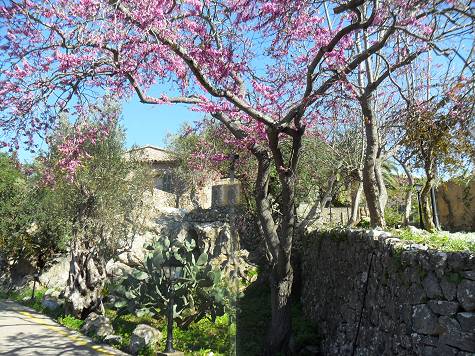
(113, 339)
(51, 300)
(143, 336)
(97, 325)
(56, 277)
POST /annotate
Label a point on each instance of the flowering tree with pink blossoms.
(264, 69)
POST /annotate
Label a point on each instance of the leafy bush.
(71, 322)
(393, 217)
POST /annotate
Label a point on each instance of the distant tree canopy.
(31, 224)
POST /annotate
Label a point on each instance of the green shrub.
(393, 217)
(71, 322)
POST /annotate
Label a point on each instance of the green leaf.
(120, 304)
(140, 275)
(203, 259)
(158, 260)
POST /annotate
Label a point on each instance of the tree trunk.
(425, 197)
(278, 240)
(355, 203)
(280, 330)
(86, 279)
(372, 183)
(383, 192)
(408, 196)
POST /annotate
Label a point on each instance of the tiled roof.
(151, 153)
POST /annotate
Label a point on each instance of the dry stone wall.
(373, 294)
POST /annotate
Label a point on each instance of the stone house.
(171, 191)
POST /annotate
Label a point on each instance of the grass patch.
(437, 241)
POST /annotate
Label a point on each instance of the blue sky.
(150, 124)
(146, 124)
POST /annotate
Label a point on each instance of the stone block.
(448, 325)
(424, 321)
(466, 321)
(449, 289)
(431, 286)
(466, 294)
(443, 307)
(462, 340)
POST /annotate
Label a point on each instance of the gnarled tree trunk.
(86, 279)
(87, 275)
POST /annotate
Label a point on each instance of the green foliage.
(437, 240)
(364, 223)
(205, 335)
(30, 226)
(71, 322)
(393, 217)
(199, 291)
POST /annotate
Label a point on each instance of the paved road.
(25, 332)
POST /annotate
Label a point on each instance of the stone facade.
(373, 294)
(456, 205)
(171, 191)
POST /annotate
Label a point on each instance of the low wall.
(377, 295)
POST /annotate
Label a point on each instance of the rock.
(448, 325)
(438, 259)
(466, 294)
(52, 293)
(113, 339)
(449, 289)
(423, 320)
(445, 350)
(466, 321)
(431, 286)
(461, 340)
(51, 302)
(310, 350)
(143, 336)
(415, 294)
(443, 307)
(98, 325)
(57, 276)
(469, 275)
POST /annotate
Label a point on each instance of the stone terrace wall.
(416, 301)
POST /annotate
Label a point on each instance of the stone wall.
(378, 295)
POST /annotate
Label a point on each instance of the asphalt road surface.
(25, 332)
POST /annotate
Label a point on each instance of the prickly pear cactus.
(200, 290)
